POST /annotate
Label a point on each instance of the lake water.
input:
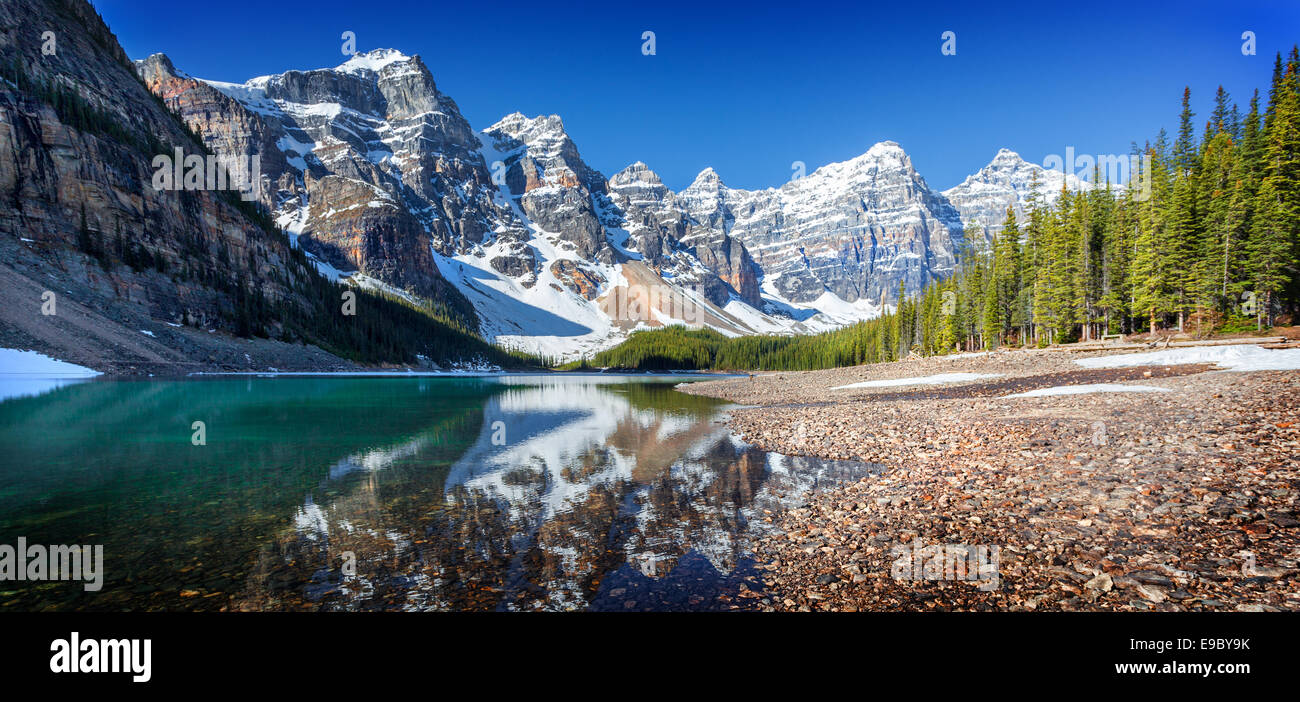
(548, 492)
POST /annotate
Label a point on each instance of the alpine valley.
(379, 183)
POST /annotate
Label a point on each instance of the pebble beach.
(1036, 480)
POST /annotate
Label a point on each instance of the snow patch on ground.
(957, 356)
(939, 379)
(28, 373)
(33, 364)
(1085, 389)
(1246, 357)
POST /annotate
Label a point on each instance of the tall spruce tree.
(1185, 145)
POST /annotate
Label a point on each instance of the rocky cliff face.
(81, 214)
(551, 183)
(367, 165)
(630, 216)
(136, 252)
(698, 257)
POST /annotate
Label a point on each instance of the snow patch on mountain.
(372, 61)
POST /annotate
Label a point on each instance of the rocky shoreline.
(1168, 501)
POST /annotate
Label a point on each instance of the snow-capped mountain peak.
(372, 61)
(530, 130)
(885, 148)
(845, 234)
(636, 174)
(707, 178)
(1008, 167)
(1008, 180)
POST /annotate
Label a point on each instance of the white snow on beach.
(939, 379)
(33, 364)
(1241, 358)
(958, 356)
(28, 373)
(1085, 389)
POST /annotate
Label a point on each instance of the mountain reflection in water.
(505, 493)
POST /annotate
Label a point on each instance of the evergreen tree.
(1221, 117)
(1185, 145)
(1215, 195)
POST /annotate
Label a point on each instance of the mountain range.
(378, 175)
(379, 182)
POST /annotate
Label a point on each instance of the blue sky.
(749, 88)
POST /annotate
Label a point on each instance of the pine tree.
(1252, 144)
(1032, 257)
(901, 336)
(1117, 246)
(1001, 311)
(1215, 195)
(1183, 242)
(1151, 273)
(1185, 145)
(1221, 117)
(991, 323)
